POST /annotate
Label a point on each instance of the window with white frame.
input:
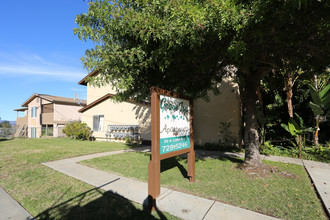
(34, 112)
(98, 122)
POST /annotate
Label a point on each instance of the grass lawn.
(48, 194)
(286, 193)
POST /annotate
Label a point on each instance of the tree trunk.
(316, 134)
(288, 88)
(251, 137)
(299, 145)
(261, 104)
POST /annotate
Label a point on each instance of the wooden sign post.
(171, 135)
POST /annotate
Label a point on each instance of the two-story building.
(46, 115)
(218, 119)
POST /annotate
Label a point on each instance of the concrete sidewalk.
(179, 204)
(320, 175)
(10, 209)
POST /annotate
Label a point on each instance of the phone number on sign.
(174, 147)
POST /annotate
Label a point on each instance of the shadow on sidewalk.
(97, 204)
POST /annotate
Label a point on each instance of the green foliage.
(174, 45)
(275, 106)
(296, 128)
(77, 130)
(5, 124)
(320, 103)
(270, 149)
(187, 46)
(128, 140)
(184, 45)
(322, 153)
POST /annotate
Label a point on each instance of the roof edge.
(83, 81)
(29, 99)
(96, 102)
(105, 97)
(20, 109)
(52, 99)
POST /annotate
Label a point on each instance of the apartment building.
(44, 115)
(218, 119)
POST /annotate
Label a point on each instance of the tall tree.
(5, 124)
(187, 46)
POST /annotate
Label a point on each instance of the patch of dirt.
(264, 171)
(185, 211)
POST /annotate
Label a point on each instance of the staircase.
(23, 132)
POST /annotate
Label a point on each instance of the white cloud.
(33, 64)
(35, 70)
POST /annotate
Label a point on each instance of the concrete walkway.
(320, 175)
(10, 209)
(179, 204)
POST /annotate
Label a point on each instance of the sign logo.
(174, 124)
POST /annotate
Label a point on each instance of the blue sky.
(39, 52)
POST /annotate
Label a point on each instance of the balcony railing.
(22, 120)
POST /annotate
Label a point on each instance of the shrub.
(321, 154)
(77, 130)
(128, 140)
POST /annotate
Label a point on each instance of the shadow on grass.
(172, 162)
(217, 155)
(96, 204)
(6, 139)
(232, 159)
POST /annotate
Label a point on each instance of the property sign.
(171, 135)
(174, 124)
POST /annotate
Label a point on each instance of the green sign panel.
(174, 143)
(174, 124)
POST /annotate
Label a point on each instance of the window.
(34, 112)
(98, 122)
(47, 130)
(33, 132)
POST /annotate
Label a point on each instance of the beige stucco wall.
(66, 113)
(34, 122)
(62, 114)
(124, 113)
(208, 115)
(223, 108)
(57, 131)
(94, 92)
